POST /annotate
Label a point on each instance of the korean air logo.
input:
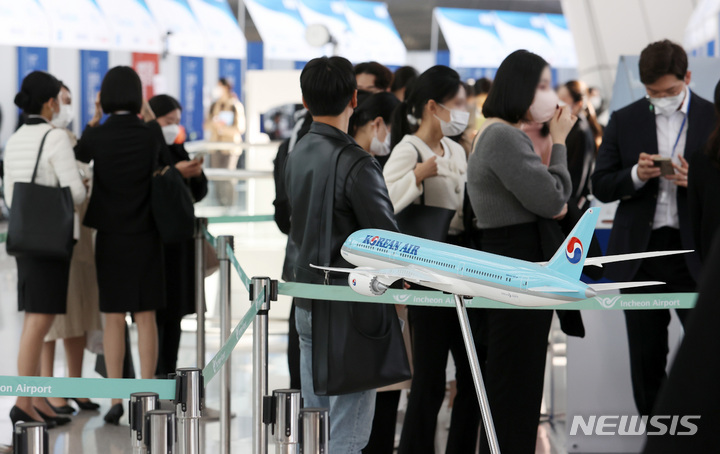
(354, 282)
(374, 240)
(574, 251)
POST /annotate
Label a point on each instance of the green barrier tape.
(224, 353)
(232, 219)
(210, 239)
(243, 276)
(112, 388)
(439, 299)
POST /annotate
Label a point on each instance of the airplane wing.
(622, 285)
(600, 261)
(389, 275)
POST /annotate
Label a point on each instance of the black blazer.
(704, 201)
(632, 130)
(125, 151)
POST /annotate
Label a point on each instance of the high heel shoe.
(59, 420)
(89, 405)
(63, 410)
(17, 414)
(114, 414)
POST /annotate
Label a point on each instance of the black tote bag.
(355, 346)
(41, 219)
(172, 205)
(422, 221)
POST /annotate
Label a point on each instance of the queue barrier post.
(200, 226)
(160, 427)
(189, 389)
(140, 404)
(282, 413)
(225, 329)
(260, 358)
(315, 427)
(31, 438)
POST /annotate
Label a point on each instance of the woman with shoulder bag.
(39, 154)
(128, 248)
(425, 176)
(511, 192)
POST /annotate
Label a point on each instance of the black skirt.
(130, 272)
(42, 285)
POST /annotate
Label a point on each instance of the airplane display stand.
(476, 374)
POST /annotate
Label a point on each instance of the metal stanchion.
(31, 438)
(200, 224)
(160, 427)
(260, 359)
(315, 424)
(225, 329)
(189, 388)
(477, 375)
(283, 414)
(140, 405)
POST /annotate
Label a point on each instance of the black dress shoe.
(16, 415)
(59, 420)
(114, 414)
(88, 405)
(64, 410)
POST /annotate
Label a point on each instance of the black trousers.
(382, 436)
(517, 342)
(169, 332)
(293, 351)
(435, 333)
(648, 329)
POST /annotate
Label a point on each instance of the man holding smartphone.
(671, 123)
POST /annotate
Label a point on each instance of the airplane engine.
(366, 285)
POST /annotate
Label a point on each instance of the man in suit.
(671, 122)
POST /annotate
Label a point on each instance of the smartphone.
(200, 155)
(665, 164)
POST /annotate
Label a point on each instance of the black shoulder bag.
(41, 219)
(172, 204)
(355, 346)
(422, 221)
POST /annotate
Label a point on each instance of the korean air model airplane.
(384, 257)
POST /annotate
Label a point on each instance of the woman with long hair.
(511, 191)
(426, 164)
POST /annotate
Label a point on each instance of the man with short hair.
(360, 201)
(671, 123)
(373, 77)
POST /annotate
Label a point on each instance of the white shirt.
(668, 132)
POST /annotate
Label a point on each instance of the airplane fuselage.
(464, 271)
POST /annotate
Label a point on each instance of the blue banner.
(31, 59)
(191, 96)
(231, 69)
(93, 66)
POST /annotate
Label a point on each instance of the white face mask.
(457, 124)
(170, 133)
(380, 148)
(544, 105)
(668, 104)
(63, 118)
(217, 92)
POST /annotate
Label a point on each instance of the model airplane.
(384, 257)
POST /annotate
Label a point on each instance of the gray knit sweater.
(507, 182)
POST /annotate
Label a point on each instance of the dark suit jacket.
(125, 151)
(704, 201)
(631, 131)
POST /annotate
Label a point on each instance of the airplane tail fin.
(570, 258)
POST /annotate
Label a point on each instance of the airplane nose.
(589, 293)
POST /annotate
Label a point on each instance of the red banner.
(147, 67)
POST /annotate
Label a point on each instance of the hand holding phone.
(665, 165)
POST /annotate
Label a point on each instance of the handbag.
(355, 346)
(172, 205)
(41, 219)
(211, 262)
(422, 221)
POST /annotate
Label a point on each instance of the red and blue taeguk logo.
(374, 240)
(574, 251)
(354, 282)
